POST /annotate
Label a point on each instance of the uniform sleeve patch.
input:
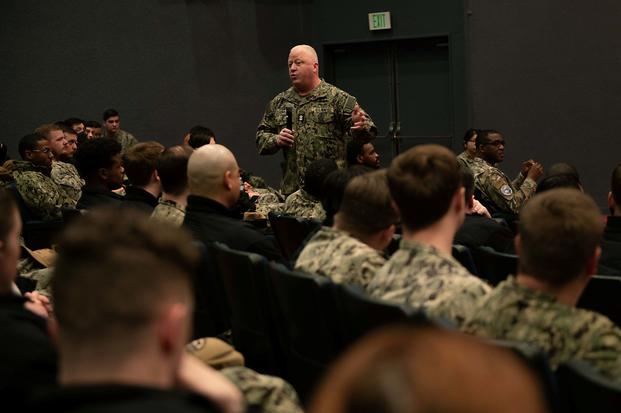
(506, 190)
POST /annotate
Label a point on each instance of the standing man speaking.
(311, 120)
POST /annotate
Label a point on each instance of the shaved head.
(303, 67)
(307, 50)
(213, 172)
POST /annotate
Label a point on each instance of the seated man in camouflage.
(63, 172)
(305, 202)
(492, 187)
(426, 186)
(33, 178)
(351, 250)
(112, 129)
(558, 246)
(172, 168)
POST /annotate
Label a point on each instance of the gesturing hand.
(359, 118)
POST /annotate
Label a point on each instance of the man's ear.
(611, 201)
(173, 327)
(155, 177)
(27, 155)
(227, 180)
(359, 158)
(103, 173)
(459, 200)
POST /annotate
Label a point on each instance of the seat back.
(462, 254)
(360, 314)
(494, 266)
(582, 389)
(244, 278)
(305, 315)
(291, 232)
(602, 294)
(211, 314)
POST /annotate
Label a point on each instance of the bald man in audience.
(214, 181)
(558, 249)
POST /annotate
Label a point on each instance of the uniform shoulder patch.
(506, 190)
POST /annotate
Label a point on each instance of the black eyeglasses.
(495, 143)
(44, 150)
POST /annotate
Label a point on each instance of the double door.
(405, 85)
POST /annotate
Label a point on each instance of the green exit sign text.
(379, 20)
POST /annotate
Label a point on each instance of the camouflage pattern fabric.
(269, 394)
(126, 139)
(465, 160)
(303, 205)
(321, 121)
(495, 188)
(337, 255)
(169, 211)
(514, 312)
(42, 195)
(66, 175)
(269, 200)
(257, 182)
(423, 277)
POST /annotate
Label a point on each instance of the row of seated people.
(426, 187)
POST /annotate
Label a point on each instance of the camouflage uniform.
(321, 121)
(269, 200)
(465, 159)
(169, 211)
(267, 393)
(303, 205)
(422, 276)
(66, 175)
(42, 195)
(126, 139)
(494, 187)
(341, 257)
(514, 312)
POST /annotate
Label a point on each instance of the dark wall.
(347, 22)
(547, 75)
(165, 65)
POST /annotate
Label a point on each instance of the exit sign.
(379, 20)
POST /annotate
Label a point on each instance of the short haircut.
(559, 231)
(403, 369)
(563, 168)
(92, 124)
(113, 271)
(333, 189)
(66, 128)
(423, 181)
(95, 154)
(367, 206)
(558, 181)
(469, 134)
(199, 136)
(467, 181)
(73, 121)
(354, 148)
(29, 142)
(615, 184)
(140, 161)
(316, 172)
(172, 168)
(108, 113)
(7, 209)
(47, 128)
(483, 136)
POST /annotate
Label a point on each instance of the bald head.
(306, 50)
(213, 173)
(303, 68)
